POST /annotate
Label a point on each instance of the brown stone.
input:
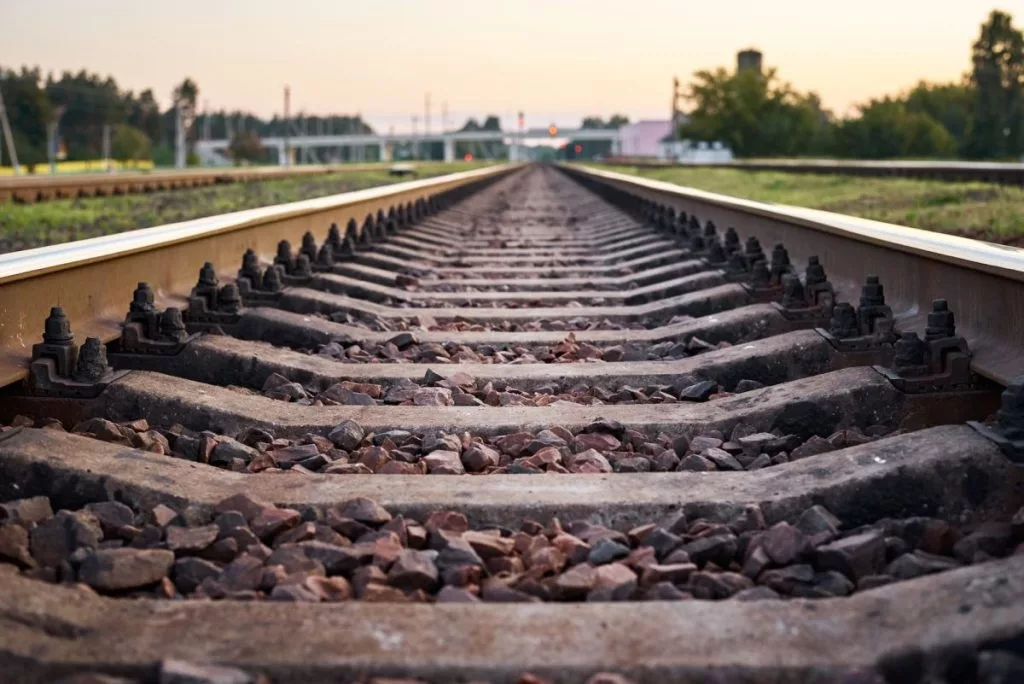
(191, 539)
(120, 569)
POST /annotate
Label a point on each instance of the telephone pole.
(287, 142)
(179, 136)
(11, 152)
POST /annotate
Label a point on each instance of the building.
(642, 138)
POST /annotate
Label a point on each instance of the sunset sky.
(557, 60)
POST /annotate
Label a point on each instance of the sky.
(554, 60)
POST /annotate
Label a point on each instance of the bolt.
(172, 326)
(815, 271)
(908, 351)
(229, 300)
(325, 257)
(334, 236)
(715, 254)
(694, 225)
(142, 299)
(940, 321)
(709, 229)
(272, 279)
(793, 296)
(284, 253)
(760, 276)
(308, 245)
(872, 293)
(732, 240)
(843, 323)
(302, 267)
(92, 361)
(57, 329)
(1011, 410)
(207, 275)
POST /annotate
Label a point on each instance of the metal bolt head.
(142, 299)
(941, 323)
(207, 275)
(872, 293)
(815, 271)
(92, 361)
(57, 329)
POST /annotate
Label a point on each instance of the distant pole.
(287, 140)
(11, 152)
(179, 137)
(206, 119)
(444, 116)
(51, 145)
(415, 138)
(106, 147)
(426, 120)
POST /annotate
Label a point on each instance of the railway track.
(42, 187)
(522, 424)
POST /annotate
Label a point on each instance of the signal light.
(468, 157)
(552, 130)
(578, 149)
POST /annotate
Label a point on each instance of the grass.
(984, 211)
(31, 225)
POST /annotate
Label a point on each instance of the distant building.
(749, 60)
(642, 138)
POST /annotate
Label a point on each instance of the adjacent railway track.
(40, 187)
(517, 424)
(1006, 173)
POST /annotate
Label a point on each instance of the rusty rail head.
(93, 279)
(42, 187)
(982, 282)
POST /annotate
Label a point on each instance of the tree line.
(81, 105)
(979, 117)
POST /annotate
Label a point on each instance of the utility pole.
(179, 137)
(444, 116)
(415, 138)
(106, 147)
(206, 119)
(11, 152)
(287, 141)
(426, 121)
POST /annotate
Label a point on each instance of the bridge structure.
(213, 151)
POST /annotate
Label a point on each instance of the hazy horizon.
(555, 61)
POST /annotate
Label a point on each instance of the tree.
(129, 143)
(592, 122)
(246, 147)
(491, 123)
(887, 129)
(617, 121)
(755, 113)
(144, 114)
(89, 102)
(950, 104)
(29, 111)
(998, 79)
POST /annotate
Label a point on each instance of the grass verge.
(984, 211)
(32, 225)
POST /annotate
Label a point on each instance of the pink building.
(642, 139)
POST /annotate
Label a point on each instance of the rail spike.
(59, 368)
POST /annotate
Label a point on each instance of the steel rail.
(989, 172)
(37, 188)
(93, 279)
(982, 282)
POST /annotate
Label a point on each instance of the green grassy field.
(979, 210)
(31, 225)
